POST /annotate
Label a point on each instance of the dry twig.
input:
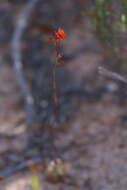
(10, 170)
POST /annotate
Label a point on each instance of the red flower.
(60, 34)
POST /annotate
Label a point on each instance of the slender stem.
(55, 95)
(55, 100)
(54, 84)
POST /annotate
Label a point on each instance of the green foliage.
(109, 19)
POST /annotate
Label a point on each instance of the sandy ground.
(94, 140)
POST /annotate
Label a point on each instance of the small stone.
(55, 172)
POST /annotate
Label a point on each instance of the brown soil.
(92, 142)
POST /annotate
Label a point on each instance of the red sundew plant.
(57, 37)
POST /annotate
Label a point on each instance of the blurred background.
(83, 144)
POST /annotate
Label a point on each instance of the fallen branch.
(22, 22)
(112, 75)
